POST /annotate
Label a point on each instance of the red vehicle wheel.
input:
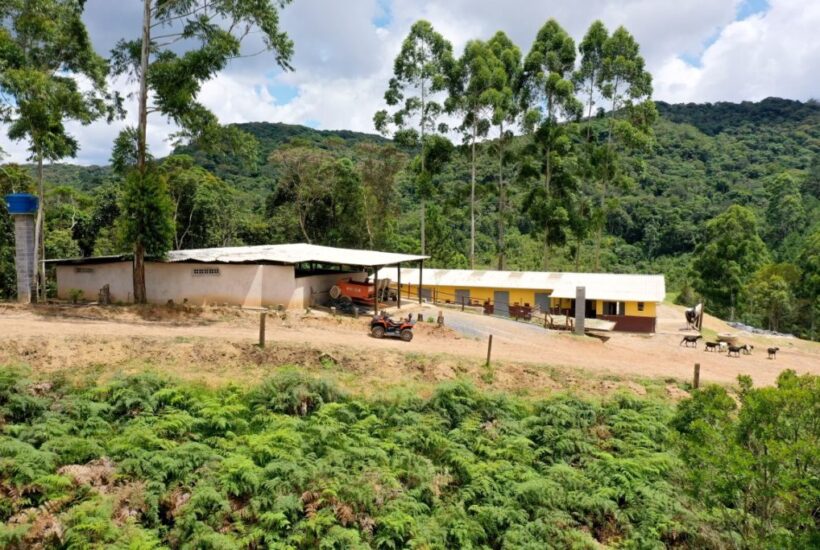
(377, 331)
(407, 335)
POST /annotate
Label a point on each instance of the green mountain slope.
(705, 158)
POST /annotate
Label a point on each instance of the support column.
(376, 288)
(580, 309)
(398, 286)
(421, 274)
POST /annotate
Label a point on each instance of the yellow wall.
(648, 309)
(479, 295)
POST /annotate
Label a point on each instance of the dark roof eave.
(92, 260)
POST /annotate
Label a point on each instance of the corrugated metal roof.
(613, 286)
(292, 254)
(599, 286)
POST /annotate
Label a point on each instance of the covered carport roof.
(292, 254)
(599, 286)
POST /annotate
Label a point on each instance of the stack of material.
(104, 298)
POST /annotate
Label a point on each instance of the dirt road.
(67, 338)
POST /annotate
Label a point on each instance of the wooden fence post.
(696, 381)
(489, 349)
(262, 317)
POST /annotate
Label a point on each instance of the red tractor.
(382, 325)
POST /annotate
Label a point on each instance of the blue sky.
(697, 50)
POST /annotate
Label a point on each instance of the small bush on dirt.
(292, 392)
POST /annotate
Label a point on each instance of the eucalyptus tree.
(589, 74)
(476, 77)
(378, 165)
(183, 44)
(626, 84)
(548, 97)
(420, 74)
(580, 223)
(504, 104)
(45, 53)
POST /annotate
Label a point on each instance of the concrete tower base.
(24, 256)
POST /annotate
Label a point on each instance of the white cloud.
(775, 53)
(343, 60)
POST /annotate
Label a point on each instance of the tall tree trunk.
(421, 195)
(139, 271)
(590, 102)
(501, 200)
(472, 200)
(577, 253)
(368, 225)
(38, 282)
(608, 171)
(548, 193)
(140, 295)
(548, 179)
(599, 231)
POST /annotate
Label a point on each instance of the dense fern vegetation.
(143, 462)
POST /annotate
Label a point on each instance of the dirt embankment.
(217, 345)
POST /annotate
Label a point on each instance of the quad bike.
(383, 325)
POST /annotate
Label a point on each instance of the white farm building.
(289, 275)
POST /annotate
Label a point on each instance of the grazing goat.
(711, 346)
(734, 350)
(747, 349)
(773, 352)
(690, 340)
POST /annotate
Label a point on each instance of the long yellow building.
(630, 301)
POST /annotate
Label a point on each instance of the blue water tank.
(21, 203)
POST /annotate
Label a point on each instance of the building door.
(501, 298)
(542, 301)
(427, 294)
(463, 296)
(590, 311)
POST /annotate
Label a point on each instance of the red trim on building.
(631, 323)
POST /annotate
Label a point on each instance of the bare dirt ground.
(216, 345)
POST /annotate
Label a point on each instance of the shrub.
(292, 392)
(75, 295)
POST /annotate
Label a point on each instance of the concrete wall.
(235, 284)
(92, 277)
(249, 285)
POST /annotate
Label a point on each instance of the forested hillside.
(352, 189)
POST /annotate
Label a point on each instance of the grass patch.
(709, 335)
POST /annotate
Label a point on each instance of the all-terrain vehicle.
(382, 325)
